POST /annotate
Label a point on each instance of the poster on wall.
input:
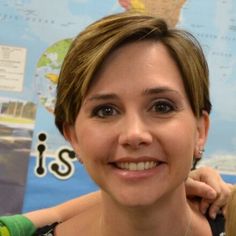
(35, 161)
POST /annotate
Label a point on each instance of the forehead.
(146, 62)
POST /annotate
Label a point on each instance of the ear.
(70, 135)
(203, 124)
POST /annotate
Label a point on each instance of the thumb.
(196, 188)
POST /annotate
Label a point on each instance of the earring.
(200, 153)
(197, 158)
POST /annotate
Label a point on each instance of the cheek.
(179, 150)
(92, 142)
(180, 141)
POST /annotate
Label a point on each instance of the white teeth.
(126, 165)
(132, 166)
(140, 166)
(147, 164)
(137, 166)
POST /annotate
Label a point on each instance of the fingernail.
(204, 210)
(213, 215)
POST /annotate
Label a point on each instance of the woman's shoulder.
(204, 225)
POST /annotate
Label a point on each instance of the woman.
(133, 101)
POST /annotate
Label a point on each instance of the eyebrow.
(102, 97)
(149, 91)
(160, 90)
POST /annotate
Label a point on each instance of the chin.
(137, 200)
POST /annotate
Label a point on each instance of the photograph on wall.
(17, 119)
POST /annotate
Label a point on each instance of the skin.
(133, 113)
(203, 177)
(204, 183)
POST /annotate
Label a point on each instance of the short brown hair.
(93, 45)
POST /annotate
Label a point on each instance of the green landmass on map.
(60, 49)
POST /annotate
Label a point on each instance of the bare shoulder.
(84, 223)
(199, 223)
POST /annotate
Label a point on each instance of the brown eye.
(104, 111)
(162, 107)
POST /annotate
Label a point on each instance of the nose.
(135, 132)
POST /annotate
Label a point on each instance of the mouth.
(137, 166)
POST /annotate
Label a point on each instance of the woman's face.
(136, 132)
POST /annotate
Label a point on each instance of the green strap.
(4, 231)
(17, 225)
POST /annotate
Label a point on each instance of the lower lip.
(138, 175)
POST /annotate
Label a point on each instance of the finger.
(224, 209)
(219, 203)
(199, 189)
(203, 206)
(212, 180)
(208, 176)
(196, 174)
(214, 210)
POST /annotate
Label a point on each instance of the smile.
(137, 166)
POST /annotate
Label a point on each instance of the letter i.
(40, 169)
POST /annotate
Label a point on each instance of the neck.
(168, 216)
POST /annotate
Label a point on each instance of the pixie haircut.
(96, 42)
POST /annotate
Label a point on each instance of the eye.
(163, 107)
(104, 111)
